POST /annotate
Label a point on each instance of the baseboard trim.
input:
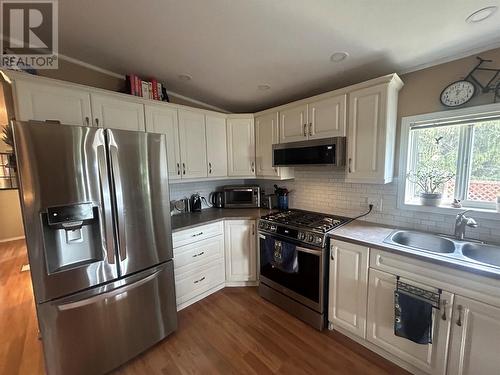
(230, 284)
(201, 296)
(11, 239)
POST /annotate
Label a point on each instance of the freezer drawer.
(95, 331)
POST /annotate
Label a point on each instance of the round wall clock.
(457, 93)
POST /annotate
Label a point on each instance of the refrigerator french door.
(97, 224)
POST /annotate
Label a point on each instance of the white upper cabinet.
(193, 145)
(241, 146)
(116, 112)
(475, 338)
(430, 358)
(327, 117)
(372, 132)
(266, 134)
(348, 286)
(321, 118)
(45, 102)
(216, 146)
(293, 124)
(163, 119)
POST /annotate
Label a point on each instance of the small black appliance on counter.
(195, 203)
(217, 199)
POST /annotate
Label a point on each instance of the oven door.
(306, 285)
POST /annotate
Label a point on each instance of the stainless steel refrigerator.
(96, 213)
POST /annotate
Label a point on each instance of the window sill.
(481, 213)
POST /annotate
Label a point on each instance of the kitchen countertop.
(373, 235)
(210, 215)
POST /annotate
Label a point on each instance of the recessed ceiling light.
(264, 87)
(339, 56)
(185, 77)
(481, 14)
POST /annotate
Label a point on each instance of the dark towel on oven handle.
(285, 257)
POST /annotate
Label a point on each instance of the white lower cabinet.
(198, 263)
(475, 338)
(348, 287)
(240, 251)
(429, 358)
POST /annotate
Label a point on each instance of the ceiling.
(229, 47)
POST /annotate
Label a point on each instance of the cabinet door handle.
(97, 122)
(305, 130)
(253, 229)
(459, 320)
(310, 128)
(252, 166)
(197, 234)
(199, 254)
(87, 120)
(209, 168)
(350, 163)
(183, 168)
(178, 169)
(200, 280)
(331, 254)
(444, 309)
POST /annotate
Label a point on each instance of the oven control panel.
(306, 237)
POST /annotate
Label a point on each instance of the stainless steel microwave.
(327, 151)
(243, 196)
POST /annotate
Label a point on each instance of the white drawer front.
(191, 284)
(199, 233)
(194, 255)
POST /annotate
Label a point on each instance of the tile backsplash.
(204, 188)
(323, 189)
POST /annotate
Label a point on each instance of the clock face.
(457, 93)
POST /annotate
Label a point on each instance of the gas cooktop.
(304, 226)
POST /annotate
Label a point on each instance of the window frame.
(471, 114)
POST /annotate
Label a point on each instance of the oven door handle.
(309, 251)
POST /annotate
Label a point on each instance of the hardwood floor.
(233, 331)
(20, 349)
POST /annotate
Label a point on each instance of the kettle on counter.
(217, 199)
(195, 203)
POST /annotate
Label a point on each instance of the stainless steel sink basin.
(422, 241)
(488, 254)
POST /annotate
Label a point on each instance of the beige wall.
(72, 72)
(11, 224)
(422, 88)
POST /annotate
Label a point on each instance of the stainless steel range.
(294, 262)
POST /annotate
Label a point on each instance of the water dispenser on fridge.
(71, 236)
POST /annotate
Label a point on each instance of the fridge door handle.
(112, 293)
(120, 217)
(106, 210)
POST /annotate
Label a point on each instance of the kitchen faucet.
(461, 222)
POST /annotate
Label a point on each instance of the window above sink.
(454, 153)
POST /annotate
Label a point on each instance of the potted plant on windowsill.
(431, 182)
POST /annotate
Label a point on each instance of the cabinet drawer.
(199, 233)
(197, 254)
(191, 284)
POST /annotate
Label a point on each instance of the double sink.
(463, 250)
